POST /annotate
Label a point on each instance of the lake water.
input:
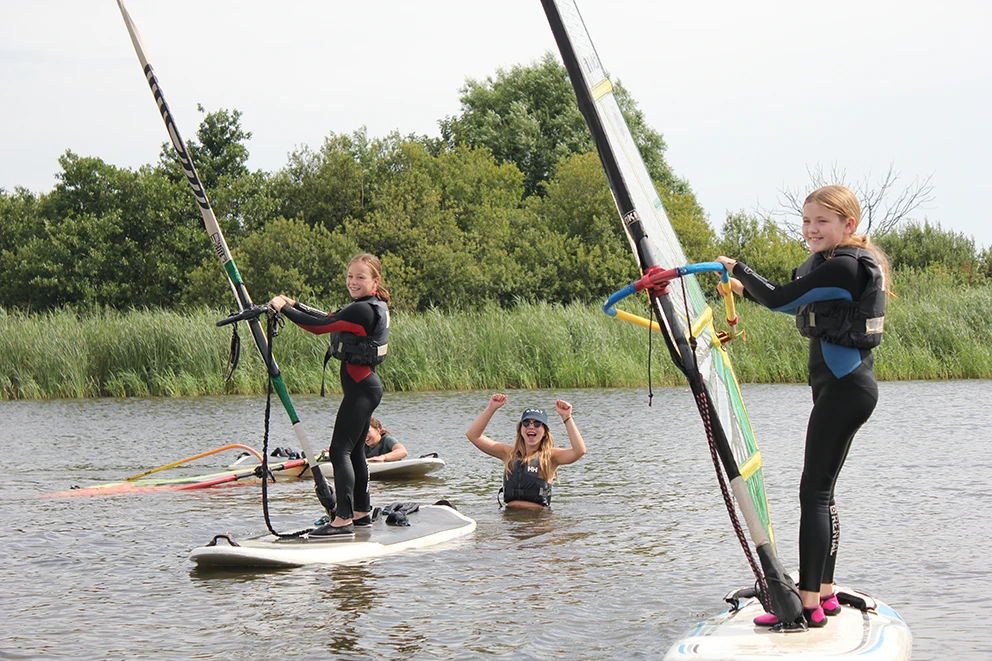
(637, 548)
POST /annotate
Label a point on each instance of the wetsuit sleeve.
(837, 278)
(357, 317)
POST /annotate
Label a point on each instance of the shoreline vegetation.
(936, 329)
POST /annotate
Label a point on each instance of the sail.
(682, 309)
(238, 287)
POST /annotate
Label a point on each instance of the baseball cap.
(535, 414)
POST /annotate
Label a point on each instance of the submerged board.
(875, 635)
(403, 469)
(430, 525)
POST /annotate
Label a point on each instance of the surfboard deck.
(878, 635)
(430, 525)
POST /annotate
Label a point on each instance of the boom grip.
(254, 312)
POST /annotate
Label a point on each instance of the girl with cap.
(532, 461)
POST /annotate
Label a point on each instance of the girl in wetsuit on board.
(359, 340)
(532, 461)
(838, 298)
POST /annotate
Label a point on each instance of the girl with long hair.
(838, 299)
(360, 339)
(531, 463)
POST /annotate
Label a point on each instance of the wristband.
(566, 419)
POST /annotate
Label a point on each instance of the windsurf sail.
(183, 483)
(686, 320)
(323, 489)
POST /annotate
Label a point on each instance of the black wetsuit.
(362, 394)
(844, 396)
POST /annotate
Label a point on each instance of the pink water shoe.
(815, 617)
(766, 620)
(830, 605)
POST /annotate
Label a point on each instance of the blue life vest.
(858, 324)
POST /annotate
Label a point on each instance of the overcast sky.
(747, 94)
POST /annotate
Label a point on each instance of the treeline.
(508, 205)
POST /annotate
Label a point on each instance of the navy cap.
(535, 414)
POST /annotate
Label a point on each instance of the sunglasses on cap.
(531, 422)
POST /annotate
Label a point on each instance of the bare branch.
(883, 206)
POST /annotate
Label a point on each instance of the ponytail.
(375, 266)
(864, 242)
(376, 425)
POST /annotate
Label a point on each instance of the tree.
(528, 115)
(284, 257)
(920, 246)
(327, 186)
(217, 150)
(572, 246)
(107, 236)
(882, 206)
(441, 225)
(239, 197)
(762, 245)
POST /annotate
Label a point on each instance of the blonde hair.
(842, 201)
(546, 470)
(376, 425)
(375, 266)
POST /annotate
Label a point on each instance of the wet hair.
(842, 201)
(376, 425)
(546, 471)
(372, 262)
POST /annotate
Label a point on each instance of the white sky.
(747, 94)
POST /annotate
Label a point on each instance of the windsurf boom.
(686, 320)
(244, 302)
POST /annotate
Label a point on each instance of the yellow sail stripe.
(601, 90)
(750, 466)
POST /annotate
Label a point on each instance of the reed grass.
(936, 329)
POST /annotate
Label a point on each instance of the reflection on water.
(636, 548)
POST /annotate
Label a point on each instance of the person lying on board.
(380, 445)
(530, 464)
(360, 337)
(838, 299)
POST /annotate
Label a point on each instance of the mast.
(656, 247)
(323, 489)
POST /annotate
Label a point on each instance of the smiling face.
(823, 228)
(373, 437)
(360, 280)
(533, 432)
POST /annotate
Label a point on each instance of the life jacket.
(857, 324)
(524, 483)
(367, 350)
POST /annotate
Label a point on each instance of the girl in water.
(838, 299)
(532, 461)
